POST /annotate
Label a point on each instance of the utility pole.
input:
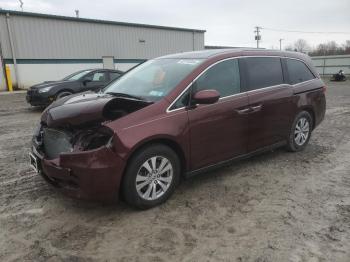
(281, 43)
(77, 13)
(21, 4)
(257, 36)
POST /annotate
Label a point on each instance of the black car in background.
(90, 79)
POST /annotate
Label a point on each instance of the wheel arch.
(64, 90)
(311, 111)
(171, 143)
(160, 140)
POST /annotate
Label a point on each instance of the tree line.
(329, 48)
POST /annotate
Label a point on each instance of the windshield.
(153, 79)
(77, 75)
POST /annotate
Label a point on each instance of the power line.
(305, 32)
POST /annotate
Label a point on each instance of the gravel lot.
(278, 206)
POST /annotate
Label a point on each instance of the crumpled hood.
(76, 109)
(49, 83)
(89, 108)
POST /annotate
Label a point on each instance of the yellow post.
(8, 77)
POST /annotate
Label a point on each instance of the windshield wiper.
(125, 95)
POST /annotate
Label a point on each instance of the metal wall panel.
(327, 65)
(4, 37)
(50, 38)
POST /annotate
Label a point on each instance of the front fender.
(171, 126)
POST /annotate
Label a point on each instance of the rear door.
(270, 100)
(219, 131)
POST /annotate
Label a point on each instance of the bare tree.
(346, 47)
(331, 48)
(301, 46)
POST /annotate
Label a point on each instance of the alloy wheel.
(302, 131)
(154, 177)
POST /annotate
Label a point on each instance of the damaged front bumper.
(94, 174)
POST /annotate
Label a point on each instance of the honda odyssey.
(174, 117)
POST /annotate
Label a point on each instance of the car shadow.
(38, 109)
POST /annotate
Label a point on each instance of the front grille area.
(32, 92)
(56, 142)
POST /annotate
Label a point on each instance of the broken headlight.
(93, 138)
(56, 142)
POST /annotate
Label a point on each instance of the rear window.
(263, 72)
(298, 72)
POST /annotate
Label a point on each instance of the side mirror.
(209, 96)
(85, 81)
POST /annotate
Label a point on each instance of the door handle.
(256, 108)
(243, 111)
(249, 110)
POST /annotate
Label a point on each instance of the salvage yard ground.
(279, 206)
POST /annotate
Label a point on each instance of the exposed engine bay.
(77, 124)
(57, 141)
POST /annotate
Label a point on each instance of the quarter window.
(298, 72)
(182, 101)
(263, 72)
(223, 77)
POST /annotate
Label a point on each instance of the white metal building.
(331, 64)
(40, 47)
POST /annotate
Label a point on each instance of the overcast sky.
(228, 22)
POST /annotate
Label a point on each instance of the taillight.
(324, 89)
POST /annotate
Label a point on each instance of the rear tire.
(151, 176)
(300, 132)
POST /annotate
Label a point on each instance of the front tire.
(300, 132)
(151, 176)
(63, 94)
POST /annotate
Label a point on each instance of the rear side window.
(100, 76)
(298, 72)
(223, 77)
(114, 75)
(263, 72)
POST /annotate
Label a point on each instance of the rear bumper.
(91, 175)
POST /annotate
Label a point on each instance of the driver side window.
(97, 77)
(222, 77)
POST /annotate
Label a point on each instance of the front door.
(96, 80)
(218, 131)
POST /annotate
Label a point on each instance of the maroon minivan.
(176, 116)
